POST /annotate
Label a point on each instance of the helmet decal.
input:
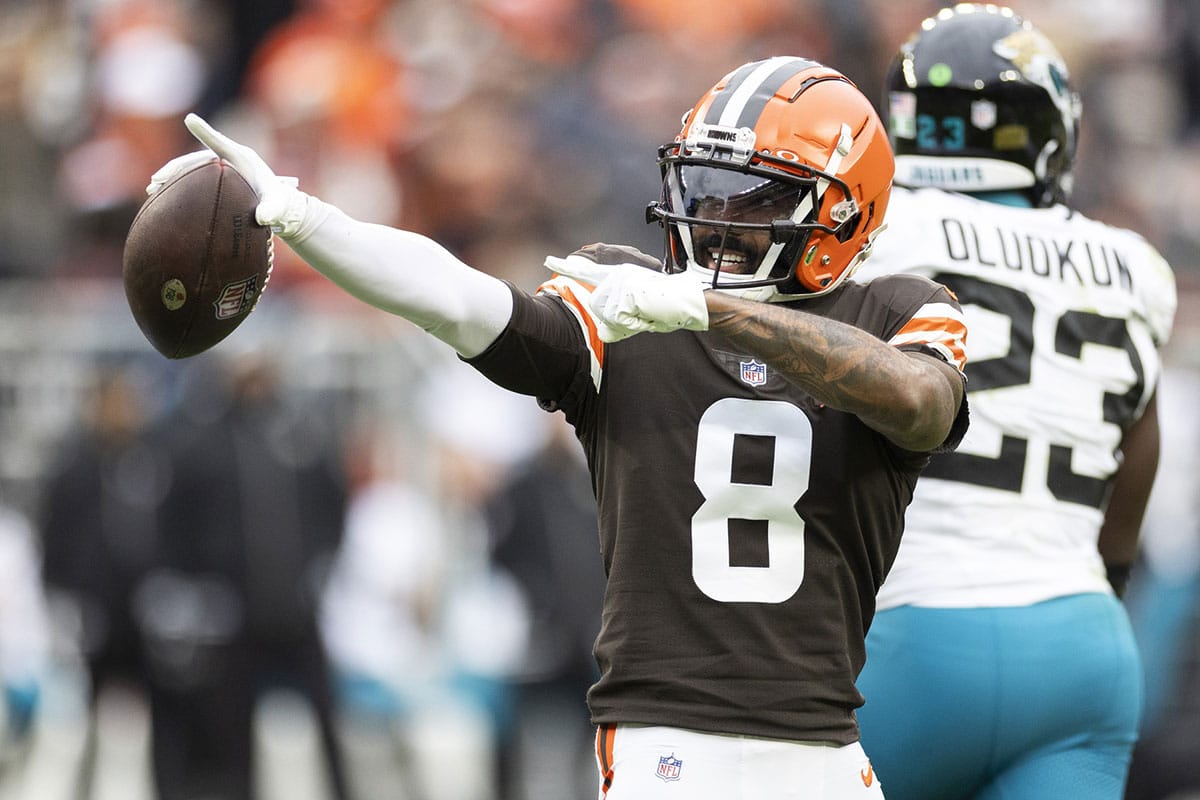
(1035, 56)
(983, 114)
(1041, 64)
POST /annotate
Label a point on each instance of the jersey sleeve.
(546, 351)
(927, 318)
(1158, 294)
(574, 296)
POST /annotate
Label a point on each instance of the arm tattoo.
(839, 365)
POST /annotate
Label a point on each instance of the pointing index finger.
(577, 267)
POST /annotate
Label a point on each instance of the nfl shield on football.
(196, 261)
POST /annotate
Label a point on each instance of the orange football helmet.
(777, 182)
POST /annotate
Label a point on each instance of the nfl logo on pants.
(669, 768)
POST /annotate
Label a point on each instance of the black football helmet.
(978, 100)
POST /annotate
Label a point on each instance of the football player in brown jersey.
(754, 422)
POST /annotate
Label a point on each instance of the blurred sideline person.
(422, 631)
(378, 614)
(754, 423)
(99, 532)
(542, 524)
(25, 642)
(998, 606)
(250, 521)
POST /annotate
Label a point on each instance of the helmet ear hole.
(851, 227)
(866, 218)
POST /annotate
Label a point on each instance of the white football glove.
(281, 206)
(630, 299)
(177, 166)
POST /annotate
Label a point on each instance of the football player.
(753, 421)
(1001, 663)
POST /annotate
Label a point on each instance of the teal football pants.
(1036, 702)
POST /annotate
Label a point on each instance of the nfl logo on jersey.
(669, 768)
(754, 372)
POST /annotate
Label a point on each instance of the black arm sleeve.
(542, 352)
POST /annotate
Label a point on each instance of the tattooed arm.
(911, 398)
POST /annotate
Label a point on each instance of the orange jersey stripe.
(564, 289)
(593, 335)
(605, 737)
(951, 332)
(940, 327)
(573, 294)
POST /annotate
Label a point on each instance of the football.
(196, 261)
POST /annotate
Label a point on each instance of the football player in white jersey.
(1002, 664)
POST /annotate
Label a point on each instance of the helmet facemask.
(744, 220)
(777, 182)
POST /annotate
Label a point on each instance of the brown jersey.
(744, 527)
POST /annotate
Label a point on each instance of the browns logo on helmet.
(777, 182)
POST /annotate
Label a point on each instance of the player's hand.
(177, 166)
(630, 299)
(281, 206)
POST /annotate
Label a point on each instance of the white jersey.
(1065, 317)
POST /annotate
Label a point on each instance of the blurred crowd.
(377, 573)
(503, 128)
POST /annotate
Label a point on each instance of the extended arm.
(1130, 493)
(908, 397)
(405, 274)
(401, 272)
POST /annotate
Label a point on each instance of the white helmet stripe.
(741, 102)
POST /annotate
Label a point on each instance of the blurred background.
(326, 559)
